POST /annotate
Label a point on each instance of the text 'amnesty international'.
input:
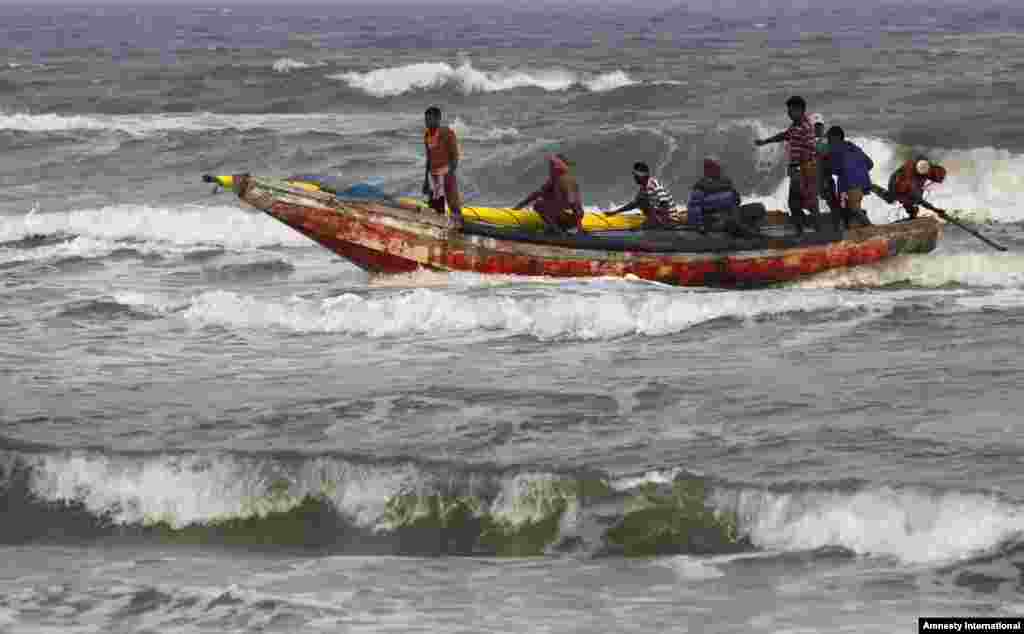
(926, 625)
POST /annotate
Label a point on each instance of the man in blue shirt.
(852, 168)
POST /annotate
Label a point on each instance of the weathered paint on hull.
(388, 239)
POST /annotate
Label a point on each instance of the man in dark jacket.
(852, 167)
(714, 203)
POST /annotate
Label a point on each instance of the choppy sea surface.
(210, 424)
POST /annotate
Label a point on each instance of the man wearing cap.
(714, 203)
(803, 164)
(652, 198)
(908, 183)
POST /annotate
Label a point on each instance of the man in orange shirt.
(909, 182)
(439, 181)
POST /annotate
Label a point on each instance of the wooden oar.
(944, 215)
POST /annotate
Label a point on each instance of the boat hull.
(388, 238)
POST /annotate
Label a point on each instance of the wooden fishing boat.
(387, 236)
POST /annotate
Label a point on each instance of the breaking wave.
(398, 80)
(913, 525)
(542, 313)
(434, 507)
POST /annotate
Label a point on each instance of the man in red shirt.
(803, 165)
(439, 181)
(558, 201)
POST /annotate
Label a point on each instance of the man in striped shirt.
(803, 166)
(652, 198)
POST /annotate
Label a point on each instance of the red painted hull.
(382, 238)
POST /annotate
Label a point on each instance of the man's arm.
(529, 199)
(627, 207)
(781, 136)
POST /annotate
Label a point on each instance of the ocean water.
(210, 424)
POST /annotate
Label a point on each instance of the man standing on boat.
(559, 202)
(439, 180)
(852, 168)
(803, 166)
(909, 182)
(652, 198)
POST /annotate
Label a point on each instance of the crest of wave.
(223, 225)
(397, 80)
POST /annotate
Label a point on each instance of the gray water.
(211, 424)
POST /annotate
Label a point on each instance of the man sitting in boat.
(439, 181)
(852, 167)
(908, 184)
(652, 198)
(559, 202)
(714, 203)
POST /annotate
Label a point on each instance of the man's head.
(797, 108)
(819, 125)
(922, 165)
(835, 135)
(432, 117)
(559, 163)
(641, 173)
(712, 168)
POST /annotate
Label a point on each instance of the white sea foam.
(287, 65)
(222, 225)
(491, 133)
(913, 525)
(398, 80)
(548, 315)
(145, 125)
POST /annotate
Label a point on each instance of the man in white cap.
(908, 183)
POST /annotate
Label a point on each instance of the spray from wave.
(398, 80)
